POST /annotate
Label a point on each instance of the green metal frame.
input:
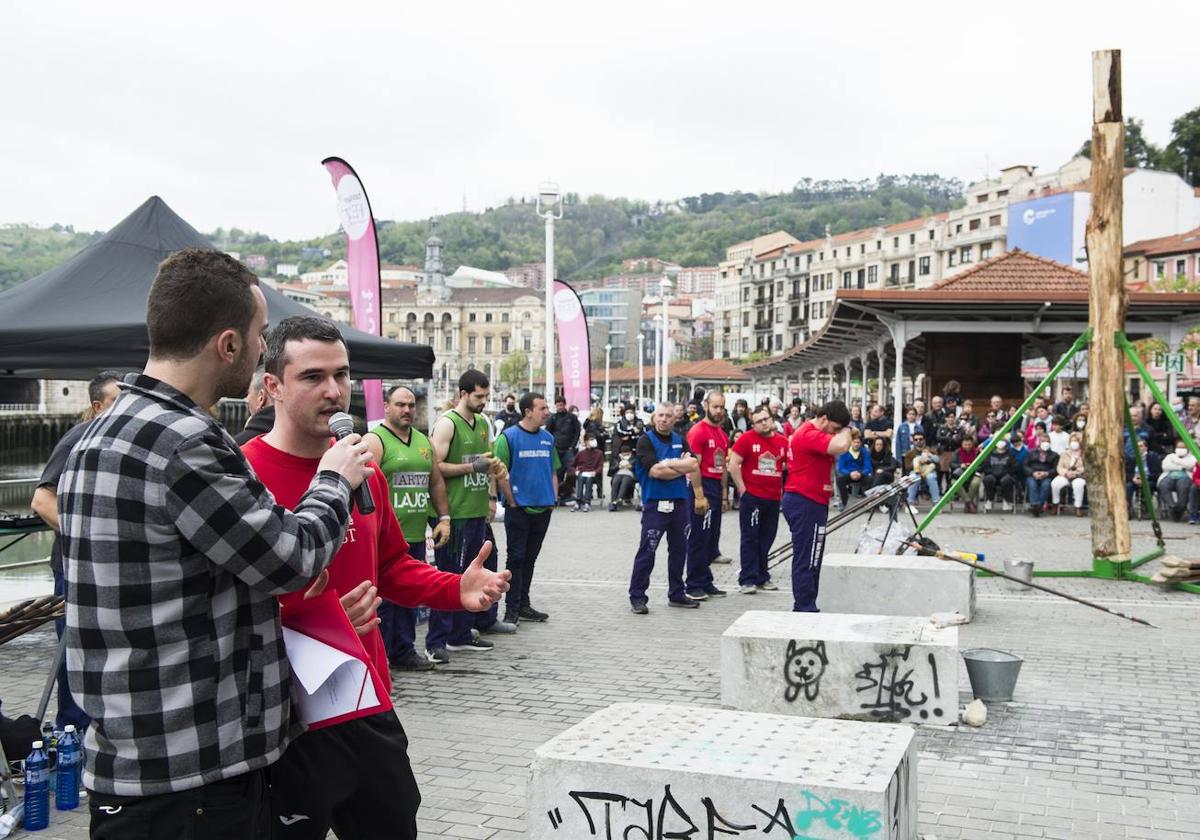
(1103, 568)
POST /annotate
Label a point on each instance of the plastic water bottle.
(37, 788)
(50, 740)
(66, 788)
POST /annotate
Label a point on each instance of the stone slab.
(882, 584)
(837, 665)
(642, 771)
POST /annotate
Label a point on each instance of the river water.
(28, 581)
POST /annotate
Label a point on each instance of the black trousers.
(525, 533)
(353, 777)
(1006, 483)
(231, 809)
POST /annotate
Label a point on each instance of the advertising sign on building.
(1051, 226)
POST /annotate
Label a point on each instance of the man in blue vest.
(530, 491)
(671, 491)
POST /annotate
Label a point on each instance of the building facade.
(615, 313)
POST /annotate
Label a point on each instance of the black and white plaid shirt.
(174, 555)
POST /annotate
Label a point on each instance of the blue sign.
(1043, 226)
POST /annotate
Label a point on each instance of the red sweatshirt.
(374, 548)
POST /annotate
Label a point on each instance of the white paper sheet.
(330, 683)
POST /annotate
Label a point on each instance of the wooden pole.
(1107, 303)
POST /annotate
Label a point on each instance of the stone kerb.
(895, 585)
(639, 771)
(834, 665)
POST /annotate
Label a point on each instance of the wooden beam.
(1107, 303)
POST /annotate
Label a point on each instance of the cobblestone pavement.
(1101, 741)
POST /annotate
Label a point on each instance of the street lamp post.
(531, 373)
(607, 356)
(667, 283)
(657, 358)
(549, 207)
(641, 399)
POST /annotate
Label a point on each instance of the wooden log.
(1107, 302)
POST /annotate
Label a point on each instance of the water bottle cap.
(70, 727)
(37, 745)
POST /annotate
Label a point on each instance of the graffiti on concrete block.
(890, 691)
(808, 816)
(803, 669)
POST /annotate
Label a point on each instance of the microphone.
(341, 425)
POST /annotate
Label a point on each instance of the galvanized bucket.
(1020, 568)
(993, 673)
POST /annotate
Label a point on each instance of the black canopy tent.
(90, 312)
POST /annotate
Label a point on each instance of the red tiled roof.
(1177, 244)
(1016, 271)
(705, 369)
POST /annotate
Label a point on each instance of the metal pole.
(550, 306)
(657, 359)
(531, 372)
(607, 354)
(641, 397)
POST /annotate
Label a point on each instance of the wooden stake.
(1107, 302)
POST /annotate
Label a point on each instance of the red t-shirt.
(709, 444)
(762, 463)
(810, 466)
(374, 548)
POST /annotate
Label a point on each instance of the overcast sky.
(226, 109)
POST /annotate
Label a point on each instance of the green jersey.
(406, 466)
(468, 493)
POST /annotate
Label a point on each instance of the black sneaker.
(411, 661)
(528, 613)
(473, 646)
(612, 508)
(713, 592)
(685, 604)
(639, 606)
(697, 594)
(512, 616)
(438, 656)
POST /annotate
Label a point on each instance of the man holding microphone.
(812, 451)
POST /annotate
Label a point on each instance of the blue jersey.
(654, 489)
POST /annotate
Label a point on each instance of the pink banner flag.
(362, 260)
(573, 347)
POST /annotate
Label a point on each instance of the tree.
(1139, 151)
(1182, 154)
(514, 369)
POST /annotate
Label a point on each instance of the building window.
(745, 295)
(895, 241)
(504, 317)
(527, 343)
(779, 315)
(487, 344)
(471, 344)
(448, 341)
(795, 312)
(745, 319)
(1160, 269)
(847, 279)
(778, 346)
(878, 244)
(981, 199)
(950, 259)
(1180, 267)
(985, 250)
(745, 345)
(994, 221)
(862, 248)
(895, 273)
(779, 288)
(923, 266)
(872, 275)
(964, 255)
(958, 228)
(931, 236)
(1001, 193)
(912, 239)
(974, 224)
(470, 316)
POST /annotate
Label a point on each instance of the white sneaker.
(748, 589)
(987, 506)
(1006, 506)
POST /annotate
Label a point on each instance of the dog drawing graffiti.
(803, 670)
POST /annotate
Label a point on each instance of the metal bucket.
(1020, 568)
(993, 673)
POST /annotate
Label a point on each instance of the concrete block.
(834, 665)
(639, 771)
(881, 584)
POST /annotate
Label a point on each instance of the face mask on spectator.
(629, 415)
(1002, 445)
(1044, 446)
(591, 444)
(1079, 424)
(1180, 452)
(1074, 444)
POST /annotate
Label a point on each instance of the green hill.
(595, 234)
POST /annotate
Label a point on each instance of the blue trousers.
(806, 519)
(397, 624)
(759, 519)
(704, 539)
(485, 619)
(524, 533)
(68, 709)
(466, 538)
(1037, 491)
(655, 525)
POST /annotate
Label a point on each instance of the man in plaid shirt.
(174, 554)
